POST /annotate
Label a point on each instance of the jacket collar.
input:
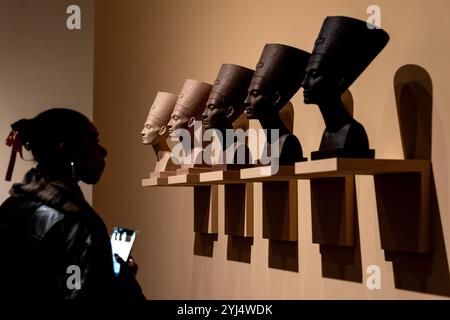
(54, 193)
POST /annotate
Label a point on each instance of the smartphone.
(122, 240)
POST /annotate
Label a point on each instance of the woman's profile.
(54, 245)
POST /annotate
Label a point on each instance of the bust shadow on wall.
(399, 224)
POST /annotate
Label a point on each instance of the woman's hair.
(44, 134)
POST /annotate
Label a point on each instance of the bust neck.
(163, 156)
(273, 122)
(161, 148)
(334, 114)
(223, 130)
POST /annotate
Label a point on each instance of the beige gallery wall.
(145, 46)
(43, 64)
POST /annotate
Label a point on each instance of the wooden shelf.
(268, 173)
(327, 168)
(184, 180)
(181, 180)
(153, 182)
(403, 200)
(402, 192)
(221, 177)
(341, 167)
(335, 167)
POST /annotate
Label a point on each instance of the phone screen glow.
(121, 243)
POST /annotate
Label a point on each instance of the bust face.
(258, 103)
(214, 115)
(178, 120)
(320, 84)
(150, 133)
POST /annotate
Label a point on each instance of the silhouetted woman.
(53, 244)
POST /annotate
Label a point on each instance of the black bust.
(343, 50)
(278, 76)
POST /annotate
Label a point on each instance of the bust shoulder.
(290, 150)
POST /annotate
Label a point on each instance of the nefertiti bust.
(189, 105)
(343, 50)
(155, 131)
(155, 128)
(278, 76)
(226, 100)
(225, 104)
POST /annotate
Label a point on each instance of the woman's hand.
(130, 266)
(126, 279)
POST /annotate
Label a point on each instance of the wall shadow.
(426, 272)
(239, 249)
(414, 98)
(283, 255)
(204, 244)
(287, 116)
(347, 100)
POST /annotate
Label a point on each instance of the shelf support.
(239, 209)
(333, 203)
(404, 208)
(280, 210)
(206, 209)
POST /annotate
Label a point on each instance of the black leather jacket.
(50, 238)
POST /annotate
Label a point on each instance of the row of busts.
(343, 50)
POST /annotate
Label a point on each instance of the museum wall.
(145, 46)
(42, 65)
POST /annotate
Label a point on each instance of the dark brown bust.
(278, 76)
(226, 103)
(226, 100)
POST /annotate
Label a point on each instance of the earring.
(72, 165)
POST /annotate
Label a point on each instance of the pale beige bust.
(189, 105)
(189, 108)
(155, 132)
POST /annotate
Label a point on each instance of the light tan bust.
(155, 132)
